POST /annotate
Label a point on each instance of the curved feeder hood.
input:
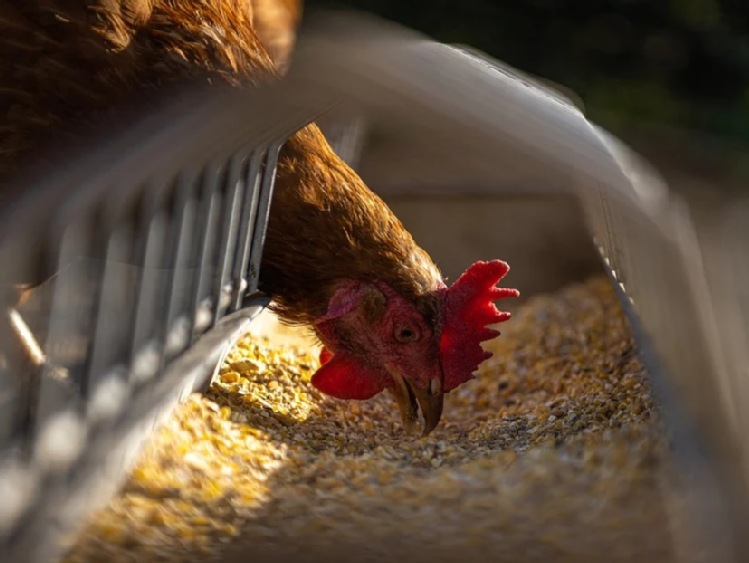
(427, 120)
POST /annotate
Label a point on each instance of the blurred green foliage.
(682, 63)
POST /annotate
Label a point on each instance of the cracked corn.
(552, 453)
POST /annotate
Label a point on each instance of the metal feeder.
(144, 255)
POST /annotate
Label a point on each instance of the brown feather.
(68, 62)
(275, 23)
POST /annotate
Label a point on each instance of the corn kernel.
(554, 448)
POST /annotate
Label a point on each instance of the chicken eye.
(406, 333)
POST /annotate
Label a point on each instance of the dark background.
(670, 77)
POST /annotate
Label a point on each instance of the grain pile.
(552, 454)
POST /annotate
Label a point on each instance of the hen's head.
(377, 339)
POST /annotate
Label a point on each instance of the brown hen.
(336, 258)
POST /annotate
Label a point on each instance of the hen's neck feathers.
(67, 62)
(326, 226)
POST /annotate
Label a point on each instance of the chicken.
(336, 259)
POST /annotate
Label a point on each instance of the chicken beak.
(410, 399)
(430, 402)
(406, 402)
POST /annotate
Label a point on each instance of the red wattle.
(325, 356)
(344, 377)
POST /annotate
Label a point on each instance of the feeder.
(141, 253)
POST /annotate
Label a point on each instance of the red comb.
(469, 308)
